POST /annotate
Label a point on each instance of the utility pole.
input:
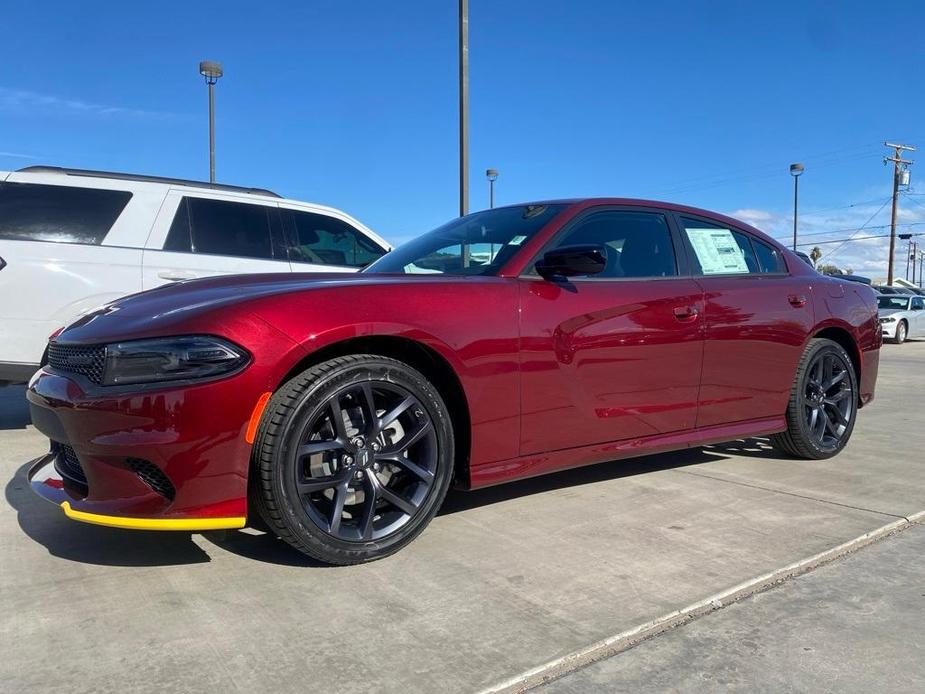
(899, 165)
(463, 108)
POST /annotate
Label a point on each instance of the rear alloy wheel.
(823, 403)
(354, 458)
(901, 332)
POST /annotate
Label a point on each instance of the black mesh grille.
(153, 476)
(68, 465)
(87, 360)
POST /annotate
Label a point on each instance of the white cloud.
(20, 101)
(826, 228)
(17, 155)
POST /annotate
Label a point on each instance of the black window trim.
(752, 239)
(680, 256)
(102, 241)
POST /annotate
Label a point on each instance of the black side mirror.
(571, 261)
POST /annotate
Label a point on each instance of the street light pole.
(211, 71)
(492, 176)
(463, 108)
(795, 171)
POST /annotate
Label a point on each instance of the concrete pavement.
(504, 579)
(851, 626)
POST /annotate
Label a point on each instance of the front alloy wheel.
(359, 462)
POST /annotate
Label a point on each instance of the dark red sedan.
(508, 343)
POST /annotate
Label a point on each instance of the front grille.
(86, 360)
(68, 465)
(153, 476)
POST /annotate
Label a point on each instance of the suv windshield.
(900, 302)
(477, 244)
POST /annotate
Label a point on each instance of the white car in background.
(901, 316)
(72, 240)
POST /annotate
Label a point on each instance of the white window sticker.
(717, 251)
(517, 240)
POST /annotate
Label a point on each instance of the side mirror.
(571, 261)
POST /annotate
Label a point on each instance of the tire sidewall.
(309, 404)
(808, 439)
(901, 332)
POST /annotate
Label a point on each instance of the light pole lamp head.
(796, 169)
(210, 70)
(491, 174)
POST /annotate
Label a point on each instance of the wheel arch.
(433, 365)
(843, 337)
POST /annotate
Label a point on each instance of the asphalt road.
(503, 581)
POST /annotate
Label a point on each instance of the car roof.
(120, 176)
(660, 204)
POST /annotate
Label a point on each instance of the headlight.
(888, 319)
(170, 359)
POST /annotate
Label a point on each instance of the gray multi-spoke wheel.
(823, 403)
(901, 332)
(354, 457)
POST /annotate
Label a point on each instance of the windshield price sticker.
(717, 251)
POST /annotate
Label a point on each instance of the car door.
(756, 321)
(322, 242)
(612, 356)
(202, 235)
(917, 313)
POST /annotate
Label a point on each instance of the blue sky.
(353, 104)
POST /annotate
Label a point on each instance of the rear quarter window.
(61, 214)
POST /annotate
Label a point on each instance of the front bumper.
(888, 330)
(165, 459)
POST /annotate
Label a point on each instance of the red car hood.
(173, 306)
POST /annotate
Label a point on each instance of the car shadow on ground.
(91, 544)
(14, 408)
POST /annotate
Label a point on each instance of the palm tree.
(815, 254)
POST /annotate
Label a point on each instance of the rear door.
(617, 355)
(198, 235)
(756, 320)
(62, 255)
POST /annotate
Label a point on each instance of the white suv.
(71, 240)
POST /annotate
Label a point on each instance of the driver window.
(636, 244)
(918, 304)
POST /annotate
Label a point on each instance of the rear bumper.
(167, 459)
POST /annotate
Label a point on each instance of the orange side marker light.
(254, 422)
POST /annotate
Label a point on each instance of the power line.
(857, 238)
(869, 220)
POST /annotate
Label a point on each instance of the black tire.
(902, 331)
(831, 394)
(323, 487)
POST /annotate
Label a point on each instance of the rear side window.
(331, 241)
(220, 227)
(63, 214)
(769, 258)
(719, 250)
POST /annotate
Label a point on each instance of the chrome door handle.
(686, 314)
(176, 275)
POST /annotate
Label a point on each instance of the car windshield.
(477, 244)
(900, 302)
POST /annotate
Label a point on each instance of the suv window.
(220, 227)
(331, 241)
(637, 244)
(63, 214)
(719, 250)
